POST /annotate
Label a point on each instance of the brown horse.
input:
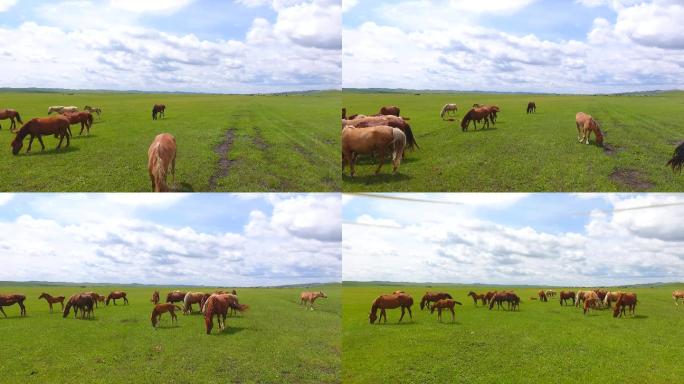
(161, 155)
(444, 304)
(477, 297)
(591, 300)
(194, 298)
(52, 300)
(117, 295)
(12, 115)
(610, 298)
(542, 296)
(431, 297)
(625, 300)
(585, 126)
(476, 115)
(531, 107)
(580, 296)
(218, 304)
(83, 118)
(162, 308)
(676, 295)
(369, 140)
(37, 128)
(95, 296)
(7, 300)
(677, 160)
(389, 120)
(80, 301)
(390, 110)
(175, 296)
(488, 297)
(155, 298)
(383, 302)
(308, 298)
(565, 296)
(158, 109)
(508, 297)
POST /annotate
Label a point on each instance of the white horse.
(448, 108)
(56, 108)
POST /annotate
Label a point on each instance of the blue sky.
(192, 239)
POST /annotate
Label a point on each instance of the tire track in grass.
(224, 163)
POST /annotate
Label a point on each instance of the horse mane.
(466, 119)
(448, 296)
(209, 313)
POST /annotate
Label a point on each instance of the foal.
(308, 298)
(445, 304)
(52, 300)
(161, 308)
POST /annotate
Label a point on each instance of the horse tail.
(159, 169)
(19, 118)
(90, 120)
(410, 139)
(209, 314)
(239, 307)
(186, 299)
(399, 140)
(457, 302)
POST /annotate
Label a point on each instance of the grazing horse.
(80, 301)
(542, 296)
(56, 108)
(444, 304)
(117, 295)
(218, 304)
(155, 298)
(475, 115)
(676, 295)
(7, 300)
(565, 296)
(448, 109)
(391, 121)
(84, 118)
(602, 293)
(431, 297)
(550, 293)
(90, 109)
(193, 298)
(531, 107)
(585, 126)
(52, 300)
(488, 296)
(161, 308)
(369, 140)
(175, 296)
(477, 297)
(509, 297)
(390, 110)
(625, 300)
(308, 298)
(383, 302)
(591, 300)
(677, 160)
(161, 155)
(12, 115)
(37, 128)
(610, 298)
(158, 109)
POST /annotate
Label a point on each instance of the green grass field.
(542, 343)
(225, 143)
(275, 341)
(524, 152)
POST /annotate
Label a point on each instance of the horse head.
(16, 146)
(372, 316)
(321, 294)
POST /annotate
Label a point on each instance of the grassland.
(225, 143)
(537, 152)
(542, 343)
(275, 341)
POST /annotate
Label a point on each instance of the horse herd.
(218, 304)
(509, 300)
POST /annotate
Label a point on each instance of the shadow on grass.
(83, 136)
(638, 317)
(375, 179)
(183, 187)
(390, 323)
(226, 332)
(366, 160)
(53, 151)
(481, 130)
(166, 327)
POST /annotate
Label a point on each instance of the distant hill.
(423, 284)
(433, 91)
(87, 91)
(87, 284)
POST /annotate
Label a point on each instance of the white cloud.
(347, 5)
(6, 4)
(138, 6)
(5, 198)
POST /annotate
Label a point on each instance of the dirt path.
(224, 163)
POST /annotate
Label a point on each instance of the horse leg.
(410, 314)
(382, 154)
(439, 314)
(23, 308)
(31, 142)
(3, 312)
(453, 315)
(403, 311)
(50, 304)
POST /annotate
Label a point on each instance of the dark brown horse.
(12, 115)
(542, 296)
(117, 295)
(38, 128)
(158, 109)
(531, 107)
(80, 301)
(476, 297)
(83, 118)
(565, 296)
(623, 301)
(677, 160)
(431, 297)
(175, 296)
(390, 302)
(218, 304)
(52, 300)
(162, 308)
(155, 297)
(444, 304)
(390, 110)
(95, 296)
(7, 300)
(508, 297)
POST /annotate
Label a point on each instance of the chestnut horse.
(477, 297)
(117, 295)
(155, 298)
(379, 139)
(579, 297)
(7, 300)
(162, 308)
(383, 302)
(489, 296)
(218, 304)
(591, 300)
(308, 298)
(389, 120)
(444, 304)
(95, 296)
(193, 298)
(175, 296)
(158, 109)
(52, 300)
(84, 118)
(677, 160)
(431, 297)
(37, 128)
(12, 115)
(475, 115)
(161, 155)
(676, 295)
(448, 110)
(585, 126)
(80, 301)
(625, 300)
(610, 298)
(565, 296)
(542, 296)
(390, 110)
(511, 298)
(531, 107)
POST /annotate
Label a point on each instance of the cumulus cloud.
(6, 4)
(150, 5)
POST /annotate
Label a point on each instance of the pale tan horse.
(591, 300)
(161, 155)
(193, 298)
(308, 298)
(676, 295)
(370, 140)
(448, 110)
(610, 298)
(585, 126)
(61, 109)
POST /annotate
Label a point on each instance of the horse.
(509, 297)
(677, 160)
(56, 108)
(155, 298)
(158, 109)
(12, 115)
(82, 301)
(579, 297)
(390, 110)
(542, 296)
(37, 128)
(117, 295)
(531, 107)
(585, 126)
(550, 293)
(610, 298)
(448, 108)
(625, 300)
(361, 121)
(308, 298)
(193, 298)
(601, 293)
(84, 118)
(382, 302)
(52, 300)
(431, 297)
(489, 296)
(676, 295)
(477, 297)
(7, 300)
(369, 140)
(591, 300)
(565, 296)
(175, 296)
(475, 115)
(162, 308)
(160, 155)
(444, 304)
(218, 304)
(90, 109)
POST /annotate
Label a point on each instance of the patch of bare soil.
(611, 150)
(631, 178)
(258, 140)
(224, 163)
